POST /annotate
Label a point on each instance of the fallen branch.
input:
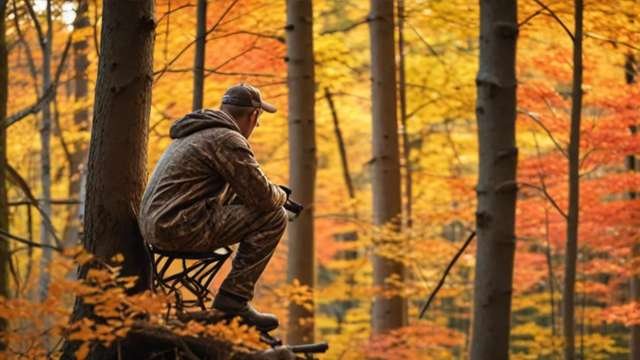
(446, 272)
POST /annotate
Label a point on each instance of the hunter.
(208, 191)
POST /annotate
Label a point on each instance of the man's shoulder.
(231, 139)
(221, 137)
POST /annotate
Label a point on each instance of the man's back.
(190, 180)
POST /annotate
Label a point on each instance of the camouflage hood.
(200, 120)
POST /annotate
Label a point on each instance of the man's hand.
(291, 205)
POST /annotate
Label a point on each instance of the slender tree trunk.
(45, 155)
(406, 149)
(302, 155)
(4, 208)
(549, 256)
(388, 313)
(198, 63)
(496, 190)
(571, 252)
(79, 150)
(631, 71)
(117, 157)
(346, 174)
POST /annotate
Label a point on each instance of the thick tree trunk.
(198, 63)
(117, 157)
(571, 252)
(631, 72)
(496, 190)
(79, 150)
(4, 209)
(45, 155)
(388, 313)
(302, 155)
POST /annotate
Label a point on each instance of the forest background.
(54, 65)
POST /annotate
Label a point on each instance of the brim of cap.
(268, 107)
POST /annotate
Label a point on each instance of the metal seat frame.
(195, 273)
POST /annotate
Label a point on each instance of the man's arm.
(237, 164)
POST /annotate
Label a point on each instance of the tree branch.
(555, 16)
(446, 272)
(533, 117)
(7, 236)
(49, 92)
(543, 190)
(38, 26)
(346, 28)
(161, 72)
(22, 184)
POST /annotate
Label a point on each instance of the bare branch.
(530, 17)
(543, 191)
(277, 38)
(533, 117)
(346, 28)
(446, 272)
(34, 17)
(22, 184)
(7, 236)
(166, 14)
(612, 41)
(555, 16)
(161, 72)
(49, 92)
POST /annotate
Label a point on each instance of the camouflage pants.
(258, 234)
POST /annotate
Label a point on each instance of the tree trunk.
(198, 63)
(388, 313)
(4, 208)
(406, 149)
(117, 157)
(631, 72)
(571, 252)
(497, 189)
(344, 161)
(45, 155)
(79, 149)
(302, 155)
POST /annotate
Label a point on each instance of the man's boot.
(235, 306)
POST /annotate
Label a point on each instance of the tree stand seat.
(186, 276)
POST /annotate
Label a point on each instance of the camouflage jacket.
(208, 160)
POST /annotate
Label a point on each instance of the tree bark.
(631, 71)
(406, 149)
(496, 189)
(117, 157)
(79, 150)
(388, 313)
(302, 155)
(4, 203)
(571, 252)
(45, 154)
(198, 63)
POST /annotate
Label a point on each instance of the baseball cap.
(246, 95)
